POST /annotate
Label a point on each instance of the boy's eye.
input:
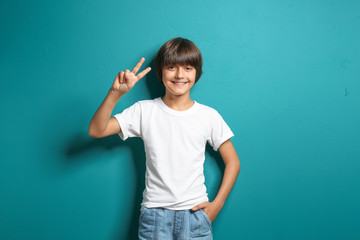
(186, 68)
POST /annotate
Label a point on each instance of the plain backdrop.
(283, 74)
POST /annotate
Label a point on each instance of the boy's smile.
(179, 79)
(179, 84)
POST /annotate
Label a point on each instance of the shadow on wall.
(80, 144)
(156, 89)
(138, 159)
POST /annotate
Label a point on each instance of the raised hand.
(124, 81)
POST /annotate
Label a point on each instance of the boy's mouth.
(179, 83)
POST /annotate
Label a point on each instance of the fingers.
(130, 76)
(143, 73)
(127, 75)
(121, 77)
(200, 206)
(138, 65)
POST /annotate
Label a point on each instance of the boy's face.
(178, 79)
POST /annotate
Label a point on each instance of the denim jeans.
(165, 224)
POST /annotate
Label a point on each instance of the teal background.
(283, 74)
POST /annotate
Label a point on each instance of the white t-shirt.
(175, 144)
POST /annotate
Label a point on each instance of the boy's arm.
(232, 169)
(100, 125)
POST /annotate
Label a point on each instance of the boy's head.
(178, 51)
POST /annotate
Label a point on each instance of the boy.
(175, 130)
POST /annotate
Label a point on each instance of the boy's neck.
(178, 103)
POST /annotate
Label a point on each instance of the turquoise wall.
(283, 74)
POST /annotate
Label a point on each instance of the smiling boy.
(175, 130)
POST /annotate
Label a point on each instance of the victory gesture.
(124, 81)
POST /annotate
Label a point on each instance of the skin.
(177, 97)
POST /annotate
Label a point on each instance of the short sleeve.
(219, 131)
(130, 121)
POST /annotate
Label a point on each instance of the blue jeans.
(165, 224)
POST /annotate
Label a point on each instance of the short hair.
(178, 51)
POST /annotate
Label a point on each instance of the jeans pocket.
(146, 224)
(142, 214)
(200, 225)
(206, 217)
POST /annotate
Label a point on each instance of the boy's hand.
(124, 81)
(210, 208)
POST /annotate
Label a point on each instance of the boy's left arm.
(232, 169)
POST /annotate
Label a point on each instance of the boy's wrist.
(114, 94)
(116, 91)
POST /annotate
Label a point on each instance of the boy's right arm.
(101, 125)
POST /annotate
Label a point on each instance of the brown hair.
(178, 51)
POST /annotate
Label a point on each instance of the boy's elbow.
(236, 165)
(93, 133)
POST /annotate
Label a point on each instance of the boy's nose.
(179, 72)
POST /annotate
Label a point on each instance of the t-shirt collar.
(171, 111)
